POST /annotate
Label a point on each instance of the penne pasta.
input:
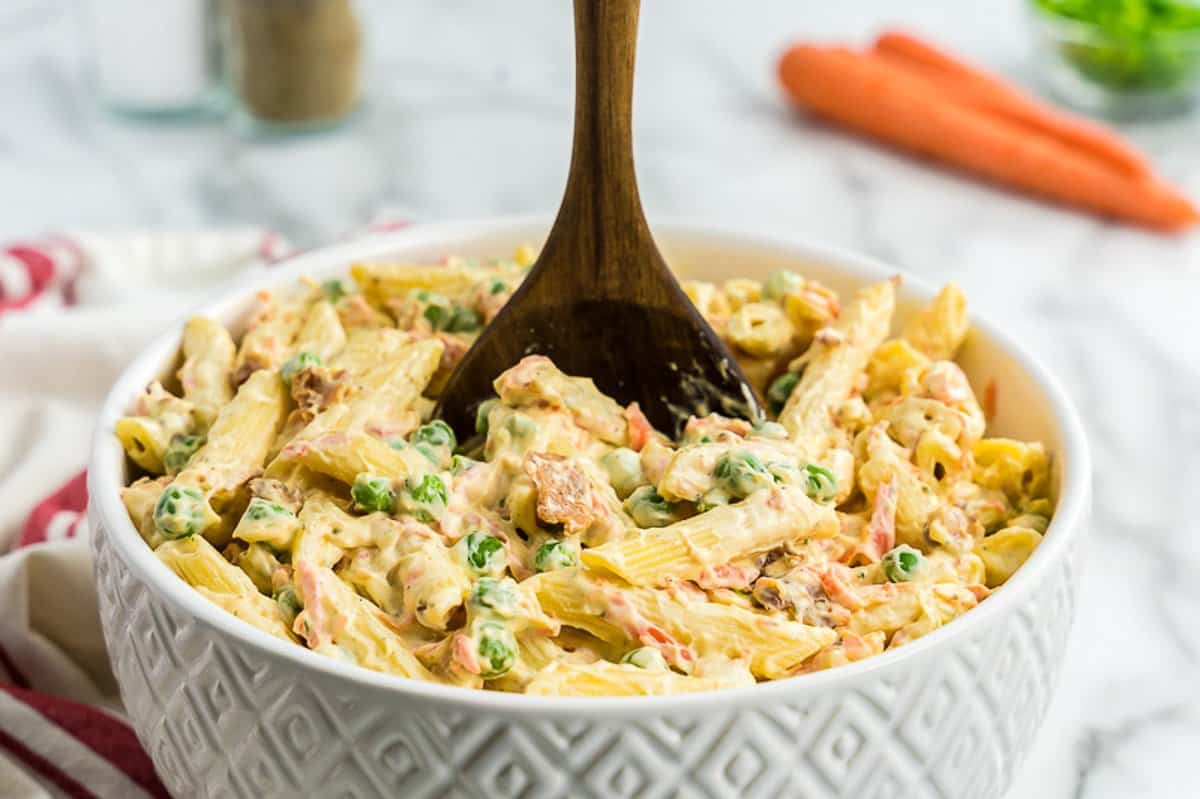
(207, 371)
(300, 481)
(613, 679)
(201, 566)
(683, 627)
(693, 548)
(938, 329)
(831, 368)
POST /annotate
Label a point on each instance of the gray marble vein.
(469, 115)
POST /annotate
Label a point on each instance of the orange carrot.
(973, 86)
(872, 95)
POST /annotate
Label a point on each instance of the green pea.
(437, 308)
(901, 564)
(819, 483)
(647, 508)
(426, 497)
(496, 595)
(781, 389)
(335, 289)
(372, 493)
(485, 553)
(481, 415)
(741, 473)
(179, 451)
(497, 649)
(498, 287)
(624, 468)
(554, 555)
(301, 360)
(521, 426)
(463, 320)
(260, 510)
(436, 316)
(437, 433)
(780, 283)
(289, 603)
(645, 657)
(181, 512)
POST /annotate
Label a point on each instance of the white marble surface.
(469, 115)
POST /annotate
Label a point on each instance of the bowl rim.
(112, 521)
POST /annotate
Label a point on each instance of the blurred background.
(466, 111)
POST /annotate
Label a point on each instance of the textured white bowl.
(225, 710)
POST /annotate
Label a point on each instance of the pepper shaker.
(295, 65)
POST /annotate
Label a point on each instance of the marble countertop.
(469, 115)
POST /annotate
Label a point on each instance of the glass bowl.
(1121, 74)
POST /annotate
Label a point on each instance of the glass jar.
(294, 65)
(155, 59)
(1121, 71)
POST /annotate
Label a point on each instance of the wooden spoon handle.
(601, 188)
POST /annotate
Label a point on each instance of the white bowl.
(225, 710)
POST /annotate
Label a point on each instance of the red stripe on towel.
(39, 271)
(71, 497)
(108, 737)
(43, 768)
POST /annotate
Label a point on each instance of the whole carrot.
(974, 86)
(870, 94)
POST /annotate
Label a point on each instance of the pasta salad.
(296, 478)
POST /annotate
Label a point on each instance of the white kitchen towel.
(74, 309)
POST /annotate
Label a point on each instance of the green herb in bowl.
(1124, 57)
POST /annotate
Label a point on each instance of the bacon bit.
(881, 530)
(989, 400)
(563, 491)
(836, 587)
(465, 654)
(278, 492)
(315, 388)
(639, 427)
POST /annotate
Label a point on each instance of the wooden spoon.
(600, 301)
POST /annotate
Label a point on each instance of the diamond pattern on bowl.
(222, 719)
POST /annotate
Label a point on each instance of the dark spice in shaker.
(296, 61)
